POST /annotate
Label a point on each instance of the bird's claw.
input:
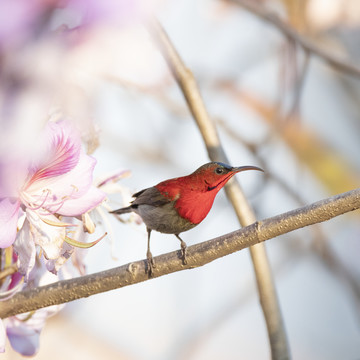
(183, 252)
(150, 264)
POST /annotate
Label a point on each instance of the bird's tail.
(123, 210)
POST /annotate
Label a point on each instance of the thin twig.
(9, 270)
(265, 284)
(197, 255)
(294, 112)
(333, 60)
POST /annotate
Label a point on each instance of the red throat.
(193, 197)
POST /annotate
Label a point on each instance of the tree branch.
(197, 255)
(9, 270)
(265, 284)
(308, 45)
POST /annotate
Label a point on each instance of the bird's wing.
(139, 193)
(150, 196)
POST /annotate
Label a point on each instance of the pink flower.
(20, 18)
(58, 180)
(2, 337)
(108, 11)
(24, 330)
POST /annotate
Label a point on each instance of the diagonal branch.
(265, 284)
(309, 46)
(198, 255)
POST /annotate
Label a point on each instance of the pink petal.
(70, 186)
(20, 25)
(62, 152)
(13, 173)
(114, 177)
(77, 181)
(24, 335)
(23, 339)
(92, 198)
(9, 210)
(65, 186)
(110, 11)
(15, 280)
(2, 337)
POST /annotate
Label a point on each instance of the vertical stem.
(265, 284)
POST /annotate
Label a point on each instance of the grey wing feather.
(139, 193)
(150, 196)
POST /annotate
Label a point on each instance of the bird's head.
(216, 174)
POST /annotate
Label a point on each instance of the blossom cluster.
(43, 197)
(49, 68)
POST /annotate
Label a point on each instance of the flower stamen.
(56, 223)
(60, 203)
(30, 205)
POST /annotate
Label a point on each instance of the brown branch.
(198, 255)
(9, 270)
(265, 284)
(308, 45)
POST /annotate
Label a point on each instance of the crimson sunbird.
(177, 205)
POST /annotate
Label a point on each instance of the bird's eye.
(219, 170)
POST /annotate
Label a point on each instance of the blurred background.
(276, 105)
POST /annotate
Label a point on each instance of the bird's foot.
(183, 252)
(183, 249)
(150, 264)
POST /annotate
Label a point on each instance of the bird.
(179, 204)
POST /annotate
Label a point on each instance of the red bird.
(179, 204)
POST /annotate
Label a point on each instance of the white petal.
(24, 246)
(49, 238)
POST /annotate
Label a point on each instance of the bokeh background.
(275, 105)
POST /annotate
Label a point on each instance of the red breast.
(194, 194)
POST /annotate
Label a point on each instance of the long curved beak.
(244, 168)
